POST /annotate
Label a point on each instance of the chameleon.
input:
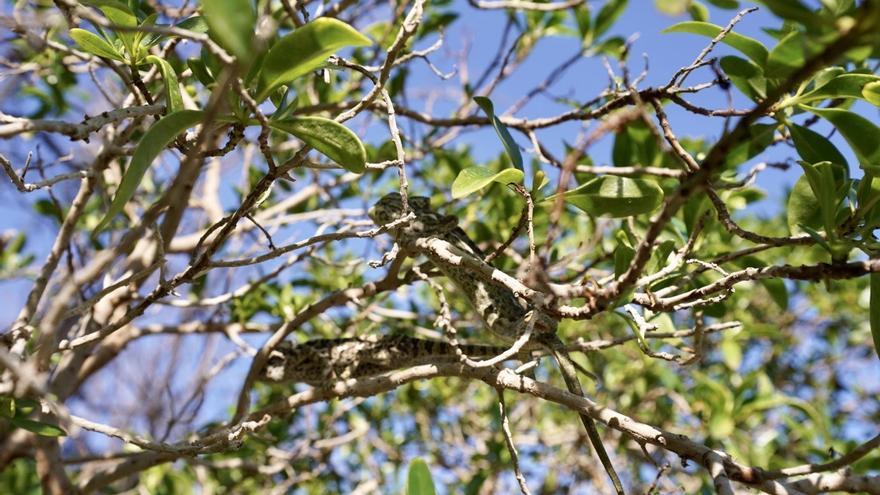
(502, 312)
(320, 361)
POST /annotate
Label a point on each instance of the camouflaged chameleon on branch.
(324, 361)
(498, 306)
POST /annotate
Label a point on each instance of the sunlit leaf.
(306, 49)
(760, 137)
(95, 44)
(787, 56)
(231, 23)
(793, 10)
(814, 147)
(745, 75)
(698, 11)
(871, 93)
(329, 137)
(861, 134)
(119, 14)
(195, 24)
(607, 15)
(843, 86)
(42, 429)
(418, 479)
(172, 89)
(804, 207)
(151, 144)
(473, 179)
(749, 47)
(615, 196)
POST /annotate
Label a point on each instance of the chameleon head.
(387, 209)
(390, 207)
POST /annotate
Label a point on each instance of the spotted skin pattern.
(323, 361)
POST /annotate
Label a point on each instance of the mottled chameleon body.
(500, 309)
(322, 361)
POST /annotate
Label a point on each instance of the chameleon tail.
(569, 374)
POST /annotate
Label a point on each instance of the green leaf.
(698, 11)
(875, 311)
(304, 50)
(760, 137)
(95, 44)
(143, 40)
(43, 429)
(842, 86)
(506, 139)
(867, 198)
(200, 70)
(871, 93)
(861, 134)
(793, 10)
(803, 207)
(777, 290)
(731, 353)
(635, 144)
(745, 75)
(607, 15)
(174, 102)
(749, 47)
(329, 137)
(418, 479)
(115, 11)
(195, 24)
(231, 24)
(623, 253)
(822, 178)
(786, 57)
(118, 13)
(7, 407)
(725, 4)
(151, 144)
(473, 179)
(615, 196)
(672, 7)
(814, 147)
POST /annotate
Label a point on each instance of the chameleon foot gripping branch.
(448, 247)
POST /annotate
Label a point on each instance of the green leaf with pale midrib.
(749, 47)
(329, 137)
(151, 144)
(842, 86)
(473, 179)
(119, 14)
(304, 50)
(615, 196)
(174, 101)
(95, 44)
